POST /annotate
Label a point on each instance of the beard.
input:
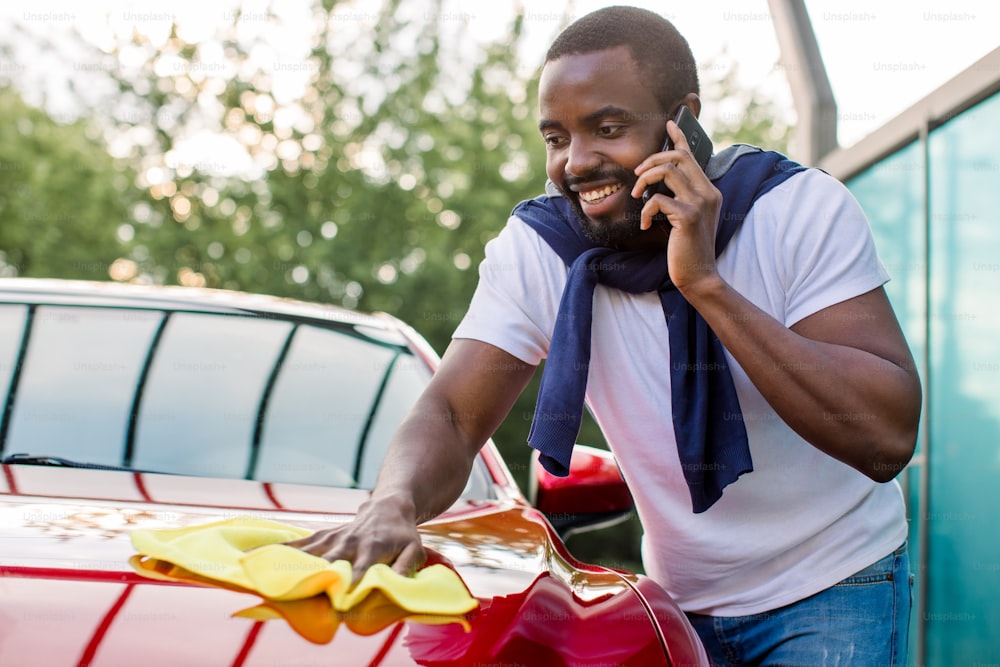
(605, 231)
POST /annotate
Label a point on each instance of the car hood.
(69, 596)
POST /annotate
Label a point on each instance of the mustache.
(617, 173)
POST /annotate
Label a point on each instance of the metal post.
(923, 518)
(816, 129)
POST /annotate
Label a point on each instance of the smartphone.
(698, 142)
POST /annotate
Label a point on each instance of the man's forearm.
(427, 465)
(842, 379)
(432, 452)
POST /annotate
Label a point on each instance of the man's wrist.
(704, 290)
(394, 502)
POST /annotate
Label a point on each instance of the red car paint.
(69, 597)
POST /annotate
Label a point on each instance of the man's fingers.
(656, 173)
(367, 541)
(381, 549)
(678, 137)
(308, 544)
(657, 204)
(410, 559)
(334, 545)
(657, 167)
(329, 544)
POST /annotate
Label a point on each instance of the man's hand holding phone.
(697, 143)
(690, 213)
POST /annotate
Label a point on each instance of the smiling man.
(733, 342)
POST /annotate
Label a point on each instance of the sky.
(881, 56)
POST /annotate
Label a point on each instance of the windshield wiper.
(59, 462)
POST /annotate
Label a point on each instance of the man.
(796, 554)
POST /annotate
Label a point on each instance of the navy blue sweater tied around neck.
(711, 436)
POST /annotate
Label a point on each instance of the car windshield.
(193, 393)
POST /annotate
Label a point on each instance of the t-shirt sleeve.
(825, 245)
(517, 298)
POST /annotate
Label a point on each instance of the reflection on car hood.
(65, 575)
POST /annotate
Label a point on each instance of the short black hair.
(660, 51)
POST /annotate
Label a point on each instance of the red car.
(149, 407)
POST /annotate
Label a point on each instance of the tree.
(376, 186)
(55, 220)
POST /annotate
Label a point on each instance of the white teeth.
(596, 195)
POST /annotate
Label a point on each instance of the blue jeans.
(862, 621)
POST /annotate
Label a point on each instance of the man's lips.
(595, 195)
(603, 202)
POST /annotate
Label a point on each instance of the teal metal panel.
(938, 233)
(892, 195)
(963, 614)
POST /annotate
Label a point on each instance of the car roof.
(175, 297)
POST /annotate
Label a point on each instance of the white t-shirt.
(801, 521)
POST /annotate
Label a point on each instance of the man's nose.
(581, 159)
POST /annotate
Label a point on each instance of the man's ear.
(692, 102)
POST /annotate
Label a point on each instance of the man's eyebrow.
(603, 112)
(545, 124)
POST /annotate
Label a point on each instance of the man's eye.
(554, 140)
(608, 130)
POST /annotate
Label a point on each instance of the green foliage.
(62, 197)
(380, 185)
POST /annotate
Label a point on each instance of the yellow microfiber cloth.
(315, 620)
(246, 553)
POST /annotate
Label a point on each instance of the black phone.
(698, 142)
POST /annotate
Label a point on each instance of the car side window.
(322, 414)
(404, 378)
(12, 323)
(199, 402)
(76, 385)
(226, 395)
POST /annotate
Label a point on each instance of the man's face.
(599, 120)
